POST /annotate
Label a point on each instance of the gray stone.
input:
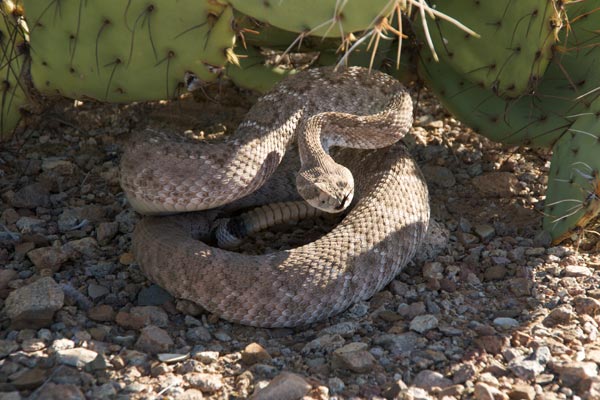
(31, 196)
(86, 246)
(572, 373)
(106, 231)
(30, 224)
(48, 258)
(152, 315)
(527, 368)
(154, 340)
(344, 329)
(198, 334)
(207, 383)
(33, 306)
(427, 380)
(153, 295)
(577, 271)
(424, 323)
(286, 385)
(96, 291)
(353, 357)
(506, 323)
(399, 344)
(255, 353)
(335, 385)
(77, 357)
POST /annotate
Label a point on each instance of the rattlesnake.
(317, 109)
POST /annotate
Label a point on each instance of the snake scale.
(363, 114)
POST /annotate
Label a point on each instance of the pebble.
(206, 383)
(77, 357)
(29, 379)
(33, 306)
(48, 258)
(335, 385)
(506, 323)
(427, 379)
(96, 291)
(31, 196)
(29, 224)
(6, 275)
(438, 175)
(33, 344)
(522, 391)
(560, 315)
(207, 357)
(586, 305)
(101, 313)
(286, 385)
(106, 231)
(528, 367)
(496, 184)
(572, 373)
(170, 358)
(86, 246)
(130, 321)
(484, 231)
(577, 271)
(152, 315)
(154, 340)
(424, 323)
(255, 353)
(353, 357)
(344, 329)
(399, 344)
(198, 334)
(153, 295)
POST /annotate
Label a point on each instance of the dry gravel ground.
(490, 311)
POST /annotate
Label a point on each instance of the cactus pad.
(126, 51)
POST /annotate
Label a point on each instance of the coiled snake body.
(316, 109)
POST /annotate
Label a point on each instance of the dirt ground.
(492, 311)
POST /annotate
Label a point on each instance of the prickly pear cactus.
(515, 44)
(326, 18)
(126, 51)
(12, 41)
(562, 110)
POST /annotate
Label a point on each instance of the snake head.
(328, 190)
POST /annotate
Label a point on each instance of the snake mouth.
(344, 202)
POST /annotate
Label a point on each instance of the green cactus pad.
(326, 18)
(573, 196)
(126, 51)
(11, 86)
(253, 72)
(515, 44)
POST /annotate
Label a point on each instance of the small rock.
(520, 287)
(105, 391)
(29, 224)
(506, 323)
(29, 379)
(427, 380)
(344, 329)
(130, 321)
(433, 270)
(483, 391)
(198, 334)
(484, 231)
(152, 315)
(412, 310)
(222, 336)
(394, 390)
(255, 353)
(560, 315)
(33, 306)
(438, 175)
(77, 357)
(171, 358)
(68, 220)
(571, 373)
(48, 258)
(496, 184)
(353, 357)
(101, 313)
(96, 291)
(522, 392)
(577, 271)
(60, 391)
(153, 295)
(586, 305)
(495, 273)
(191, 394)
(31, 196)
(106, 231)
(528, 368)
(423, 323)
(399, 344)
(126, 258)
(154, 340)
(6, 275)
(335, 385)
(206, 357)
(207, 383)
(86, 246)
(286, 385)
